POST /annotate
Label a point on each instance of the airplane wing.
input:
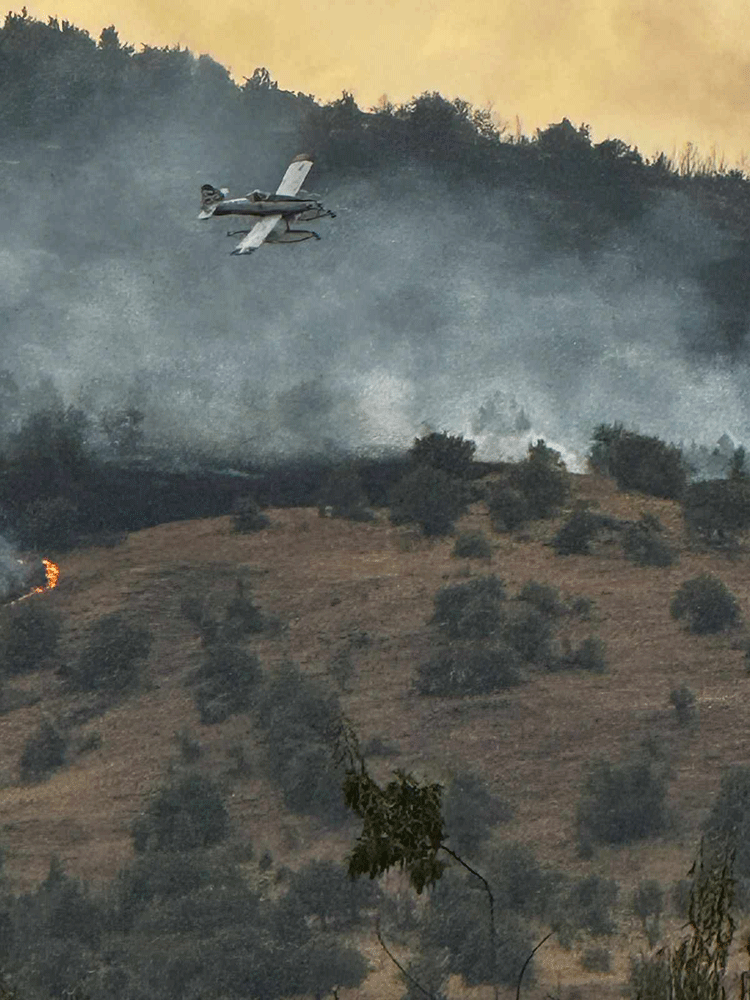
(257, 234)
(295, 174)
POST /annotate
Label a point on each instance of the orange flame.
(53, 572)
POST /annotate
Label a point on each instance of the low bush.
(530, 634)
(448, 452)
(508, 509)
(576, 535)
(341, 668)
(470, 812)
(225, 682)
(647, 904)
(715, 510)
(622, 803)
(596, 959)
(683, 700)
(29, 636)
(429, 497)
(190, 748)
(543, 597)
(324, 891)
(643, 544)
(730, 816)
(581, 606)
(298, 715)
(706, 603)
(43, 752)
(468, 671)
(521, 884)
(182, 816)
(590, 655)
(248, 516)
(112, 657)
(472, 545)
(243, 617)
(585, 906)
(473, 610)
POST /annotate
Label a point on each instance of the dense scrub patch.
(706, 603)
(638, 462)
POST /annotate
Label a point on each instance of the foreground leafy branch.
(402, 826)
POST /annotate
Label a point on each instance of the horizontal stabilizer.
(210, 198)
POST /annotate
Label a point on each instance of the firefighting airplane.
(276, 211)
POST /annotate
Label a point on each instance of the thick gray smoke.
(421, 306)
(13, 572)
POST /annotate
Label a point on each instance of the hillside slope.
(368, 588)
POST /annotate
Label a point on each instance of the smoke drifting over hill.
(425, 302)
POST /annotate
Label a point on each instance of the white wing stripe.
(295, 174)
(257, 234)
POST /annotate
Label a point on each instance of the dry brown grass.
(330, 578)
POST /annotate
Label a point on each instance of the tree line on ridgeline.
(58, 85)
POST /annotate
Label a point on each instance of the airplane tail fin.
(210, 198)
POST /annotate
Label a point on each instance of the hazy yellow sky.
(655, 73)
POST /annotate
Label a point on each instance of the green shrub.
(298, 715)
(707, 603)
(248, 516)
(430, 498)
(161, 876)
(470, 812)
(716, 509)
(685, 708)
(578, 532)
(243, 617)
(622, 804)
(638, 462)
(29, 636)
(225, 682)
(473, 610)
(543, 597)
(447, 452)
(649, 977)
(521, 885)
(581, 606)
(530, 634)
(585, 906)
(182, 816)
(323, 890)
(472, 545)
(590, 655)
(508, 509)
(455, 926)
(43, 752)
(648, 904)
(112, 657)
(642, 543)
(469, 671)
(542, 480)
(190, 748)
(596, 959)
(730, 816)
(343, 495)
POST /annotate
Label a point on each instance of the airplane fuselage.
(272, 206)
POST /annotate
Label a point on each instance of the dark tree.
(183, 816)
(707, 603)
(429, 497)
(448, 452)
